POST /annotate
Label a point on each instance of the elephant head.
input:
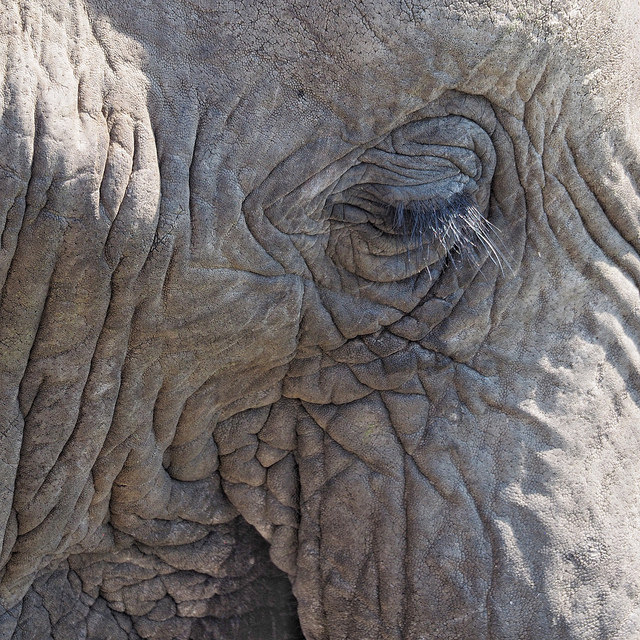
(361, 275)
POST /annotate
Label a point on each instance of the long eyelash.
(456, 225)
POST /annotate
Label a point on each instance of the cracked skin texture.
(221, 372)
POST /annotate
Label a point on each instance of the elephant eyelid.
(455, 225)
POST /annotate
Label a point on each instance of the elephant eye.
(455, 227)
(417, 202)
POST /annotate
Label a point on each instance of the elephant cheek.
(422, 519)
(432, 514)
(392, 546)
(363, 528)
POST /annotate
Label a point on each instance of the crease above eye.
(425, 157)
(376, 199)
(441, 189)
(436, 169)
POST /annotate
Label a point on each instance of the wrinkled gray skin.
(208, 321)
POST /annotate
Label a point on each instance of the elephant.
(320, 320)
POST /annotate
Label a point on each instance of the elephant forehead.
(339, 48)
(252, 85)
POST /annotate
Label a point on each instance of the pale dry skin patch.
(337, 300)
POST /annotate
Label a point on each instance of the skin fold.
(329, 301)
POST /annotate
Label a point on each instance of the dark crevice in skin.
(164, 235)
(29, 360)
(246, 597)
(5, 239)
(37, 133)
(192, 208)
(108, 212)
(114, 257)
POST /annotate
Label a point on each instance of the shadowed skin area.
(327, 301)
